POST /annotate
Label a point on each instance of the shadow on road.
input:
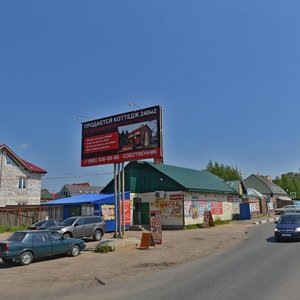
(272, 240)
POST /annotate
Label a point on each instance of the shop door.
(137, 211)
(145, 217)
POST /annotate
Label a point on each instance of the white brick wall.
(10, 193)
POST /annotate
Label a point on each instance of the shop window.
(87, 209)
(56, 212)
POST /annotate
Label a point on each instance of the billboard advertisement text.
(129, 136)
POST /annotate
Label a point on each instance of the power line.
(76, 176)
(56, 177)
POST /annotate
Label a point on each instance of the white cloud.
(24, 146)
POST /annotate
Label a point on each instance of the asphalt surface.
(257, 268)
(129, 273)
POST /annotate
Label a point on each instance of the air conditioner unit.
(160, 195)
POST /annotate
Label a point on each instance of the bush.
(103, 248)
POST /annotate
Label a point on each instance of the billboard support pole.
(116, 201)
(119, 200)
(123, 198)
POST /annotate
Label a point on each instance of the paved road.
(259, 268)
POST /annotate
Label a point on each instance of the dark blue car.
(24, 246)
(288, 227)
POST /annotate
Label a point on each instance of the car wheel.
(75, 250)
(98, 235)
(7, 260)
(26, 258)
(277, 239)
(67, 235)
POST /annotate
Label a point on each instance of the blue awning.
(85, 198)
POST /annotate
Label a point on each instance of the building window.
(10, 161)
(56, 212)
(87, 209)
(22, 183)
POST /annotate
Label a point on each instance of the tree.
(289, 182)
(224, 171)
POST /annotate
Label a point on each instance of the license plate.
(286, 234)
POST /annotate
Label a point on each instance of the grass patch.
(217, 222)
(220, 222)
(12, 228)
(193, 226)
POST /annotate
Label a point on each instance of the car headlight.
(275, 229)
(297, 229)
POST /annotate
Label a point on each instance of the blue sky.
(226, 73)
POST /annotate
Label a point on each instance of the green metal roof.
(235, 184)
(45, 194)
(263, 185)
(194, 180)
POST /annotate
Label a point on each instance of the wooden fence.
(16, 215)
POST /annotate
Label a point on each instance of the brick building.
(20, 181)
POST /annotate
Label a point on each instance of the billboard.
(129, 136)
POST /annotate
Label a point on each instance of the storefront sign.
(208, 219)
(156, 228)
(146, 240)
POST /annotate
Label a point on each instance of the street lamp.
(133, 104)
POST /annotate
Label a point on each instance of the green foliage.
(223, 171)
(289, 182)
(220, 222)
(217, 222)
(103, 248)
(193, 226)
(12, 228)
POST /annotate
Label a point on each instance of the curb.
(265, 221)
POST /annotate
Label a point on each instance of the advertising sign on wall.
(171, 212)
(216, 208)
(129, 136)
(108, 212)
(127, 212)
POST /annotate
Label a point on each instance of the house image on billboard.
(182, 195)
(140, 136)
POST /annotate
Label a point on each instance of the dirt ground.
(91, 268)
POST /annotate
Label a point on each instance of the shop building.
(181, 194)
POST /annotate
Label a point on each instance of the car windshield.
(68, 222)
(48, 223)
(17, 236)
(39, 223)
(289, 206)
(289, 219)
